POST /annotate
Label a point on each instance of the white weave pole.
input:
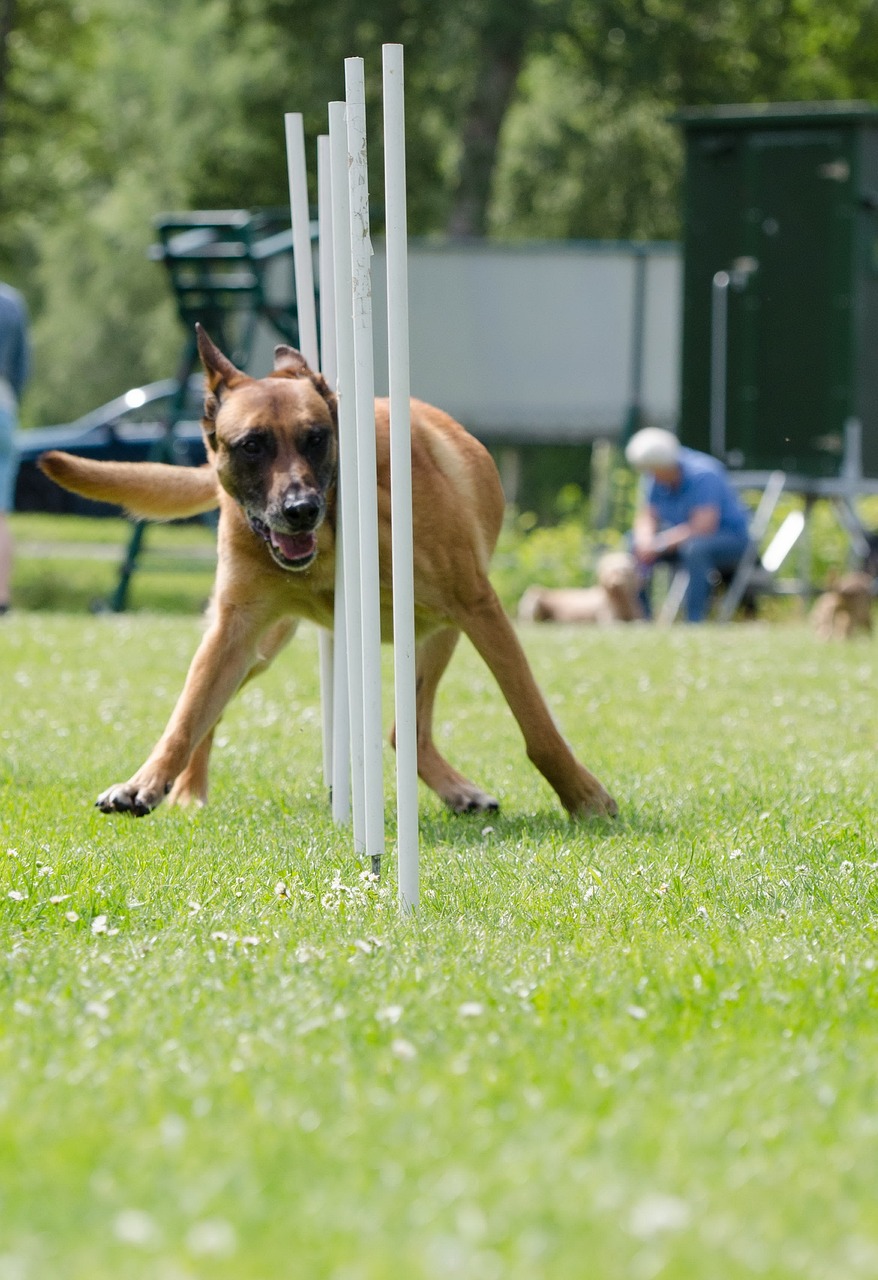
(364, 395)
(348, 497)
(341, 723)
(306, 311)
(396, 229)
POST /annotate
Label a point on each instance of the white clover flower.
(657, 1213)
(391, 1014)
(404, 1050)
(213, 1238)
(134, 1226)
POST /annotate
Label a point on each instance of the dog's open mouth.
(289, 550)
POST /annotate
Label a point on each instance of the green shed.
(780, 298)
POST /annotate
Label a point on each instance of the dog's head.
(617, 572)
(855, 585)
(274, 441)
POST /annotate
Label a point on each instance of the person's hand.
(645, 551)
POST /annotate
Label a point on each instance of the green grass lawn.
(72, 563)
(640, 1049)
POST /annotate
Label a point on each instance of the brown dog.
(845, 609)
(272, 469)
(613, 599)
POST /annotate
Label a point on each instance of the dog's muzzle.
(291, 550)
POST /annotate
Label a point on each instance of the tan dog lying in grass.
(845, 609)
(614, 599)
(272, 470)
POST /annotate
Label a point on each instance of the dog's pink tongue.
(293, 546)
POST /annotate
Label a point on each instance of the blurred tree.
(164, 113)
(44, 54)
(586, 148)
(534, 118)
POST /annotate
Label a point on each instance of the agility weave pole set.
(350, 659)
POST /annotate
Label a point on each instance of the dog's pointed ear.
(289, 360)
(219, 369)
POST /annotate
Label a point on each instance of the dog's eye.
(251, 446)
(315, 440)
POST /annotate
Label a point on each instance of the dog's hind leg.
(484, 620)
(461, 795)
(190, 787)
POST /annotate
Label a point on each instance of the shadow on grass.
(552, 827)
(545, 826)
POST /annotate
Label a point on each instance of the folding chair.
(757, 572)
(753, 571)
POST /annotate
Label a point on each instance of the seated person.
(689, 513)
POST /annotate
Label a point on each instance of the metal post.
(719, 339)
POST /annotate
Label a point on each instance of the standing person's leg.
(700, 556)
(8, 468)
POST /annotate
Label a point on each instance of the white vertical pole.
(306, 311)
(303, 265)
(401, 478)
(347, 429)
(341, 725)
(361, 251)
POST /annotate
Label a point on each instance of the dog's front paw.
(588, 799)
(130, 797)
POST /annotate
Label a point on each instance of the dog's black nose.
(301, 511)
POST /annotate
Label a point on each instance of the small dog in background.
(614, 599)
(845, 608)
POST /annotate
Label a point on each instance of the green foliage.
(648, 1044)
(546, 118)
(614, 160)
(167, 104)
(71, 564)
(557, 555)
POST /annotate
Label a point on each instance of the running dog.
(272, 463)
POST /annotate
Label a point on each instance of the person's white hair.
(652, 448)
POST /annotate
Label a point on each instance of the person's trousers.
(700, 557)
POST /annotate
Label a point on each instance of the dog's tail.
(147, 490)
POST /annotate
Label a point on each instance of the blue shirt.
(703, 483)
(14, 346)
